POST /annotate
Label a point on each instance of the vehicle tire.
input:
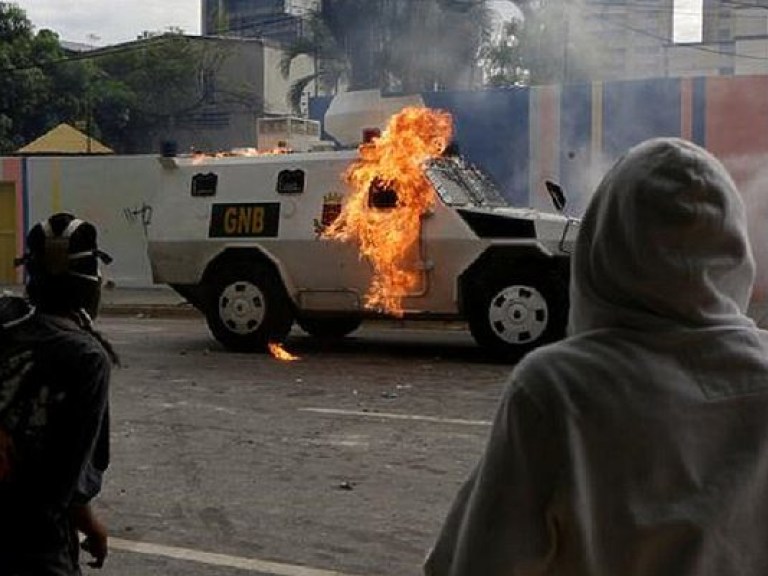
(513, 315)
(248, 307)
(329, 328)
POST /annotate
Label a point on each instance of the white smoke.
(751, 174)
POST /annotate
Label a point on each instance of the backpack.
(17, 398)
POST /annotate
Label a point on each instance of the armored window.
(290, 182)
(204, 184)
(381, 195)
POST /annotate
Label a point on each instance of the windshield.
(459, 183)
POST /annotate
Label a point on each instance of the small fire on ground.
(280, 353)
(387, 234)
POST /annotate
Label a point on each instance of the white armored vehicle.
(242, 239)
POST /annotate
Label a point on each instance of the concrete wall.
(113, 192)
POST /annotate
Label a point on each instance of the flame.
(280, 353)
(200, 157)
(389, 238)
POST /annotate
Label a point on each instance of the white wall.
(109, 191)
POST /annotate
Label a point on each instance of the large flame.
(389, 237)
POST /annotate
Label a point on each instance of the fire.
(200, 157)
(389, 237)
(280, 353)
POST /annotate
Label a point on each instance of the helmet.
(62, 263)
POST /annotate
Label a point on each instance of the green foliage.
(330, 62)
(29, 100)
(396, 45)
(542, 41)
(157, 72)
(122, 95)
(434, 45)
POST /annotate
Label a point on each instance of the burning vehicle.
(400, 227)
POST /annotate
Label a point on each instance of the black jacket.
(54, 379)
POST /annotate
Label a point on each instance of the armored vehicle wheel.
(329, 328)
(511, 316)
(248, 307)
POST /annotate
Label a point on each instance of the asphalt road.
(342, 462)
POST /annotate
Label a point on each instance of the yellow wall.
(8, 248)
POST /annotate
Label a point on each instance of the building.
(277, 20)
(237, 82)
(734, 42)
(615, 40)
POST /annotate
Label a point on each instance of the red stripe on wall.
(12, 173)
(735, 132)
(548, 134)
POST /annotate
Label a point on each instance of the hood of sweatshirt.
(663, 243)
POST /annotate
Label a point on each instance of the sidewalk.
(147, 301)
(158, 300)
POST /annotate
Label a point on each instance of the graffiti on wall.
(139, 215)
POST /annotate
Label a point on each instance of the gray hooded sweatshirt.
(637, 446)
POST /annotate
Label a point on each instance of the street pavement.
(341, 463)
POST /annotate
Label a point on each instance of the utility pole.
(566, 42)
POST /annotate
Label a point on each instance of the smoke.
(751, 175)
(584, 177)
(577, 40)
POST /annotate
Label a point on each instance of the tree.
(37, 89)
(150, 87)
(434, 45)
(542, 40)
(502, 60)
(392, 44)
(122, 95)
(555, 44)
(152, 81)
(331, 65)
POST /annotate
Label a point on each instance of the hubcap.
(242, 307)
(518, 314)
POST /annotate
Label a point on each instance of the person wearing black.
(54, 405)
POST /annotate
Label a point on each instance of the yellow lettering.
(230, 220)
(258, 221)
(243, 220)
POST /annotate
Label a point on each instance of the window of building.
(688, 21)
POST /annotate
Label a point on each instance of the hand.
(7, 453)
(95, 542)
(96, 545)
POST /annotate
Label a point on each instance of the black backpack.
(16, 361)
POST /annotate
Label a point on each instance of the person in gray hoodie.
(637, 446)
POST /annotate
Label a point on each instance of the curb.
(186, 310)
(183, 310)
